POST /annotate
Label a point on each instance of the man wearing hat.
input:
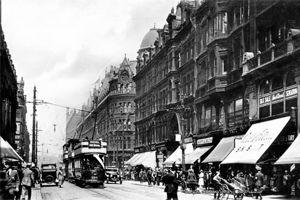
(27, 182)
(259, 179)
(13, 181)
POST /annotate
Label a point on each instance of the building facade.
(109, 113)
(22, 135)
(8, 93)
(228, 63)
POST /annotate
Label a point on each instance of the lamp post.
(180, 111)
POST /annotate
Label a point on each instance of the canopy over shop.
(177, 154)
(221, 151)
(256, 141)
(291, 155)
(195, 155)
(7, 152)
(147, 159)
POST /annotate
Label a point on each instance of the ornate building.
(229, 64)
(22, 136)
(109, 113)
(8, 93)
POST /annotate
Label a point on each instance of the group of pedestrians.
(153, 177)
(19, 180)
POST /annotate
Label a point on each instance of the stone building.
(8, 93)
(22, 136)
(217, 68)
(110, 113)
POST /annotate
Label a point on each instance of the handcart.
(236, 189)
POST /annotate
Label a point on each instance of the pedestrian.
(250, 181)
(27, 182)
(20, 173)
(149, 176)
(191, 180)
(217, 182)
(259, 181)
(13, 182)
(35, 173)
(60, 177)
(158, 176)
(201, 179)
(171, 185)
(287, 183)
(206, 179)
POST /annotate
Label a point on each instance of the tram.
(87, 164)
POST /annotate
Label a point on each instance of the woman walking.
(60, 177)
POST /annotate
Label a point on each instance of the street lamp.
(180, 111)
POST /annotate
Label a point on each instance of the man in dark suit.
(171, 185)
(259, 180)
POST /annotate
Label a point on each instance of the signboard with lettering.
(278, 96)
(188, 140)
(208, 140)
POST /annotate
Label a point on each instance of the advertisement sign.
(202, 141)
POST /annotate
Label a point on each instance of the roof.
(149, 38)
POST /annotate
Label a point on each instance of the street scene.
(149, 99)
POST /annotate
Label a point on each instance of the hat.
(12, 191)
(258, 168)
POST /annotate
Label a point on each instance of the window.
(265, 87)
(277, 83)
(224, 65)
(290, 79)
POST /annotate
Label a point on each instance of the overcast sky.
(64, 46)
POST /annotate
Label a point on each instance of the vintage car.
(113, 175)
(49, 174)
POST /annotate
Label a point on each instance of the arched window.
(264, 87)
(277, 83)
(290, 79)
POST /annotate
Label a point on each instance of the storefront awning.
(196, 154)
(178, 154)
(221, 151)
(291, 155)
(131, 159)
(7, 151)
(256, 141)
(134, 159)
(148, 159)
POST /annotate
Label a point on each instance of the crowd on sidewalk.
(254, 182)
(18, 179)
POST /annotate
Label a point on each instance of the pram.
(189, 187)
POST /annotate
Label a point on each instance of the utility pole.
(36, 143)
(33, 156)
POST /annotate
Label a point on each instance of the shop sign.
(188, 140)
(277, 95)
(136, 150)
(263, 100)
(291, 92)
(205, 141)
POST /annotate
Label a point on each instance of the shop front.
(261, 146)
(291, 160)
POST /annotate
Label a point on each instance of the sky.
(63, 46)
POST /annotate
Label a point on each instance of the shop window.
(264, 111)
(277, 83)
(290, 103)
(264, 87)
(277, 108)
(290, 79)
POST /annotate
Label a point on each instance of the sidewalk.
(267, 197)
(36, 193)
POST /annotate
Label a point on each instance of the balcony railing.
(274, 53)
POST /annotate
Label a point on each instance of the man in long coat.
(171, 185)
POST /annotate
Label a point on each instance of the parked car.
(113, 175)
(49, 174)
